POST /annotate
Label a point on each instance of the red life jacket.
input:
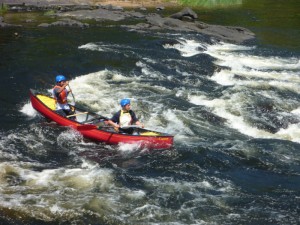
(62, 96)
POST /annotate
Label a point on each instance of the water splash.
(28, 110)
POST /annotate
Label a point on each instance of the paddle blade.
(86, 127)
(131, 126)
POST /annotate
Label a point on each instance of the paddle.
(145, 132)
(72, 94)
(141, 129)
(98, 117)
(77, 114)
(130, 126)
(91, 126)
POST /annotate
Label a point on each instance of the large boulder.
(186, 12)
(221, 33)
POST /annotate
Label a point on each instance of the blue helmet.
(124, 102)
(60, 78)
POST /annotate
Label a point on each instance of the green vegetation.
(211, 3)
(50, 13)
(3, 9)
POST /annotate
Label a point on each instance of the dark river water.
(234, 110)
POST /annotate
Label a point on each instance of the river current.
(234, 110)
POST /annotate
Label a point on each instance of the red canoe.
(92, 126)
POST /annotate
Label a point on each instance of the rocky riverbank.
(122, 3)
(71, 13)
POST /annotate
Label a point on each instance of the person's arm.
(114, 120)
(135, 120)
(139, 124)
(60, 89)
(112, 123)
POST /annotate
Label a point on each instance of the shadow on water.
(275, 23)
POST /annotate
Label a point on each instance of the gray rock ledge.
(175, 22)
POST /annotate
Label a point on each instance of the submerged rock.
(97, 14)
(3, 24)
(65, 23)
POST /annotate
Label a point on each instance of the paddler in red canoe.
(124, 118)
(60, 94)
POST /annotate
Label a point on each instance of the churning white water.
(240, 70)
(50, 173)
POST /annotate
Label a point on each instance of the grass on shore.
(196, 3)
(210, 3)
(3, 9)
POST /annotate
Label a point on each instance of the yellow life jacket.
(125, 119)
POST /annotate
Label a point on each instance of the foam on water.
(103, 90)
(99, 91)
(107, 47)
(61, 181)
(296, 111)
(220, 108)
(28, 110)
(237, 57)
(236, 62)
(127, 148)
(237, 122)
(148, 72)
(62, 193)
(187, 48)
(49, 173)
(92, 46)
(291, 133)
(68, 137)
(272, 69)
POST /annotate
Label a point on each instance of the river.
(234, 110)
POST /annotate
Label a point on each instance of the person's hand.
(139, 124)
(116, 127)
(67, 84)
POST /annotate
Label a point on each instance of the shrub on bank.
(3, 9)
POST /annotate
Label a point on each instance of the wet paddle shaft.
(72, 94)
